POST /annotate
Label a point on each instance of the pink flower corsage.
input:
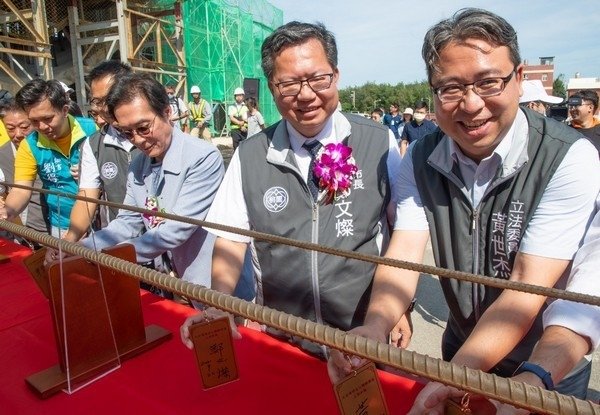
(152, 204)
(335, 168)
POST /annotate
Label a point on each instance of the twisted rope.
(412, 266)
(471, 380)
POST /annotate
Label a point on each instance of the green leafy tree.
(558, 87)
(372, 95)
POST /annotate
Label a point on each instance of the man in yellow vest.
(200, 114)
(238, 118)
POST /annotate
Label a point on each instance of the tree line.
(372, 95)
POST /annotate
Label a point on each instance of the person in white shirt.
(270, 186)
(179, 111)
(502, 191)
(256, 122)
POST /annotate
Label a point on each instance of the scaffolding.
(25, 48)
(145, 34)
(214, 44)
(223, 41)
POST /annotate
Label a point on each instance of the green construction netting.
(222, 42)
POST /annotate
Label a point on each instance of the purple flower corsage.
(335, 168)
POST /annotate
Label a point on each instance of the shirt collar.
(336, 129)
(114, 138)
(172, 160)
(502, 149)
(511, 152)
(75, 133)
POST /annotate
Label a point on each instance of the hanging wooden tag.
(215, 354)
(360, 393)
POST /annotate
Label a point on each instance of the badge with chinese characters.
(213, 345)
(360, 393)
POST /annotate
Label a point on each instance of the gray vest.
(7, 161)
(113, 165)
(323, 288)
(37, 209)
(485, 240)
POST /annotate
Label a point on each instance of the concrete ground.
(222, 141)
(431, 312)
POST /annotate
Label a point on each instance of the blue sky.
(381, 41)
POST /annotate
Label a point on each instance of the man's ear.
(519, 77)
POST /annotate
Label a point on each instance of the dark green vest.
(485, 240)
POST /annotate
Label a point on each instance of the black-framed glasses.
(144, 131)
(98, 102)
(485, 88)
(316, 83)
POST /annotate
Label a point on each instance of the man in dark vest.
(501, 192)
(418, 127)
(270, 187)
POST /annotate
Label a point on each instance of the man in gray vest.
(501, 191)
(270, 187)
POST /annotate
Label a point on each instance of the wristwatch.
(411, 306)
(537, 370)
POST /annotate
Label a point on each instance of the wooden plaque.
(89, 305)
(35, 265)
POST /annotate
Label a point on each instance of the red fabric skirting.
(275, 378)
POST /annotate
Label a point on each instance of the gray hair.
(469, 23)
(292, 34)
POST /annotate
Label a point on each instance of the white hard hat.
(239, 91)
(195, 89)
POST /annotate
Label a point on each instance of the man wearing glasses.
(501, 192)
(174, 174)
(583, 106)
(268, 185)
(418, 127)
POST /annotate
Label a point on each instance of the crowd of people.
(497, 188)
